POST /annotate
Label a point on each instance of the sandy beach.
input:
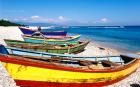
(93, 49)
(10, 33)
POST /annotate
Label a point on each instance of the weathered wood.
(107, 63)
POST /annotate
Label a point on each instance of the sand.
(131, 81)
(93, 49)
(10, 33)
(5, 79)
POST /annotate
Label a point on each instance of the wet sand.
(94, 49)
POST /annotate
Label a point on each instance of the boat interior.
(53, 37)
(98, 63)
(76, 63)
(26, 45)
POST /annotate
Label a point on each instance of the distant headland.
(8, 23)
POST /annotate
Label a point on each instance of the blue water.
(126, 38)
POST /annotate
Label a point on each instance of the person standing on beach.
(38, 32)
(39, 28)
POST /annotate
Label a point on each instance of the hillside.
(8, 23)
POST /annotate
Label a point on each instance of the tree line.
(8, 23)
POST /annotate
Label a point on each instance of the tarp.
(3, 50)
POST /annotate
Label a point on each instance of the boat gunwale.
(30, 29)
(27, 29)
(52, 40)
(26, 62)
(62, 48)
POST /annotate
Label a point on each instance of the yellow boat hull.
(24, 71)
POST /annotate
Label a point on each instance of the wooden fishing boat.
(39, 39)
(31, 31)
(19, 51)
(48, 36)
(29, 71)
(75, 47)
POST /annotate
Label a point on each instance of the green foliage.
(8, 23)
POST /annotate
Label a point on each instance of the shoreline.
(113, 46)
(94, 49)
(123, 47)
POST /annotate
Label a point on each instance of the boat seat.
(57, 47)
(101, 48)
(25, 46)
(87, 63)
(70, 45)
(107, 63)
(98, 66)
(35, 46)
(80, 42)
(15, 45)
(54, 59)
(12, 45)
(62, 45)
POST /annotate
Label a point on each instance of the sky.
(72, 12)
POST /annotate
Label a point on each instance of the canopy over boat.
(64, 72)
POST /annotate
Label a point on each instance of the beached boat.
(37, 39)
(50, 32)
(74, 47)
(29, 71)
(19, 51)
(47, 36)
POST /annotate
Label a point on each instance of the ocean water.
(121, 38)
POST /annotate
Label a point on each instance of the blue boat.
(25, 52)
(50, 32)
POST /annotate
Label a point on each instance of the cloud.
(104, 20)
(101, 21)
(34, 17)
(61, 18)
(20, 19)
(37, 18)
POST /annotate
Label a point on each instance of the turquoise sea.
(122, 38)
